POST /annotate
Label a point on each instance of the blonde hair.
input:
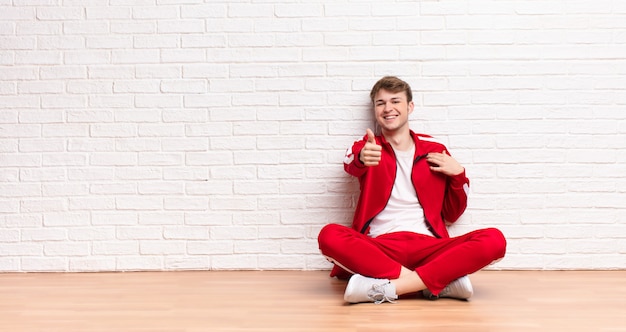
(392, 84)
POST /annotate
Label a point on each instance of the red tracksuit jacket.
(443, 198)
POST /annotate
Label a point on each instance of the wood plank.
(303, 301)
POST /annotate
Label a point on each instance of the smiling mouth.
(390, 117)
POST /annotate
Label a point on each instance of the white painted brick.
(154, 12)
(187, 263)
(7, 88)
(18, 13)
(231, 25)
(42, 175)
(37, 57)
(214, 219)
(256, 158)
(180, 26)
(121, 248)
(110, 101)
(140, 130)
(256, 187)
(10, 236)
(9, 117)
(186, 203)
(282, 232)
(9, 206)
(22, 220)
(91, 203)
(186, 233)
(138, 203)
(138, 233)
(85, 27)
(203, 11)
(271, 25)
(39, 28)
(257, 247)
(21, 249)
(209, 247)
(250, 10)
(158, 41)
(158, 101)
(8, 264)
(16, 43)
(113, 159)
(19, 102)
(186, 55)
(233, 232)
(156, 159)
(315, 262)
(207, 100)
(109, 42)
(161, 248)
(304, 218)
(134, 56)
(66, 249)
(96, 264)
(160, 130)
(189, 144)
(102, 12)
(114, 218)
(161, 218)
(133, 27)
(20, 160)
(139, 263)
(256, 218)
(235, 203)
(44, 264)
(71, 219)
(234, 262)
(91, 234)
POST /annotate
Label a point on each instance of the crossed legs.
(412, 262)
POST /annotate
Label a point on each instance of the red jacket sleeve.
(351, 162)
(455, 199)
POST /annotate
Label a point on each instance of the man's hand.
(443, 163)
(371, 152)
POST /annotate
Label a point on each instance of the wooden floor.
(304, 301)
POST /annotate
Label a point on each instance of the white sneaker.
(364, 289)
(458, 289)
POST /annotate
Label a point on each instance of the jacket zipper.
(428, 224)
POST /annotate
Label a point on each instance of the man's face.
(392, 110)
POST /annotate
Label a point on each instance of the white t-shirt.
(403, 212)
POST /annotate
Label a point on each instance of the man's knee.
(328, 236)
(497, 242)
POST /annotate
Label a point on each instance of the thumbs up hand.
(371, 152)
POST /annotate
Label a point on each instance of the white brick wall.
(210, 134)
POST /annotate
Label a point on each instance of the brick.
(139, 263)
(44, 264)
(131, 132)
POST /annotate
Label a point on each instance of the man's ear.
(411, 107)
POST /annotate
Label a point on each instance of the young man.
(410, 189)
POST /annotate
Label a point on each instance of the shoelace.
(377, 293)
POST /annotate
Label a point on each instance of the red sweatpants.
(437, 261)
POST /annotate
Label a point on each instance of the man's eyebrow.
(392, 98)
